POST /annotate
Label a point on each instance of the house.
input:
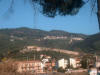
(49, 65)
(32, 48)
(72, 62)
(42, 56)
(30, 66)
(45, 58)
(97, 62)
(62, 63)
(92, 71)
(75, 62)
(55, 37)
(77, 38)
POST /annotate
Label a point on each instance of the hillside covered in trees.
(14, 40)
(90, 45)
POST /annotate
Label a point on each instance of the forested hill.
(13, 40)
(36, 33)
(16, 39)
(90, 45)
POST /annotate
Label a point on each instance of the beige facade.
(98, 62)
(34, 48)
(30, 66)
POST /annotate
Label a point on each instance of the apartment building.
(75, 62)
(62, 63)
(30, 66)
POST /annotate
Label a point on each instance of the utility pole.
(34, 56)
(95, 59)
(27, 58)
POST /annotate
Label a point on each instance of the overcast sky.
(23, 16)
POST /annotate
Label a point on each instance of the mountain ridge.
(14, 40)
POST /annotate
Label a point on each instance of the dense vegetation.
(10, 38)
(90, 44)
(36, 55)
(14, 40)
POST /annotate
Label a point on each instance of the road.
(73, 73)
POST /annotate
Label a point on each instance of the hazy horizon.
(48, 30)
(23, 16)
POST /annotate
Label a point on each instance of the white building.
(97, 62)
(76, 38)
(93, 71)
(62, 63)
(72, 62)
(75, 62)
(45, 60)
